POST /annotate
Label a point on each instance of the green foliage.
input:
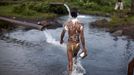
(43, 0)
(31, 6)
(92, 5)
(28, 12)
(105, 2)
(23, 9)
(117, 21)
(58, 9)
(107, 9)
(49, 15)
(19, 8)
(5, 9)
(127, 3)
(101, 2)
(39, 7)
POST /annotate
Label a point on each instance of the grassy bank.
(29, 9)
(40, 8)
(117, 25)
(7, 10)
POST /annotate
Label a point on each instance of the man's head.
(74, 13)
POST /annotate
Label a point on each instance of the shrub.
(28, 12)
(23, 9)
(103, 2)
(91, 5)
(57, 9)
(39, 7)
(107, 9)
(31, 4)
(19, 8)
(127, 3)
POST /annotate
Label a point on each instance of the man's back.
(73, 27)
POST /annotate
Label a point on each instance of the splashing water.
(68, 9)
(77, 67)
(52, 40)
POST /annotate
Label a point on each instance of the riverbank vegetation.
(117, 26)
(22, 10)
(42, 9)
(39, 7)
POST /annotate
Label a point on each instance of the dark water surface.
(107, 55)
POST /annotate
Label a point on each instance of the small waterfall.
(68, 9)
(77, 68)
(52, 40)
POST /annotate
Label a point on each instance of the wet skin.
(131, 67)
(75, 36)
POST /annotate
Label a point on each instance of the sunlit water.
(107, 55)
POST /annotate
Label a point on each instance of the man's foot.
(69, 72)
(75, 60)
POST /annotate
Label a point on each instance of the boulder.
(100, 23)
(117, 33)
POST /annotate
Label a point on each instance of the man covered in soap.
(75, 31)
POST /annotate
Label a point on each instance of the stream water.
(107, 55)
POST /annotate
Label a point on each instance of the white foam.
(68, 9)
(52, 40)
(78, 68)
(82, 16)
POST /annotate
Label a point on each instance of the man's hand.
(61, 41)
(85, 53)
(62, 36)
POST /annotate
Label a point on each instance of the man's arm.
(83, 40)
(62, 36)
(65, 28)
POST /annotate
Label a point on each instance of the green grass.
(7, 11)
(116, 21)
(131, 18)
(91, 12)
(95, 10)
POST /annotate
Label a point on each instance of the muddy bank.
(40, 21)
(5, 27)
(117, 29)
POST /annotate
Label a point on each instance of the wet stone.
(9, 40)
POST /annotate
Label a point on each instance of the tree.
(132, 6)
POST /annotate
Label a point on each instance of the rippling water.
(107, 55)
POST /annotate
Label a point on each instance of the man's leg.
(76, 50)
(121, 5)
(70, 58)
(116, 6)
(131, 67)
(73, 49)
